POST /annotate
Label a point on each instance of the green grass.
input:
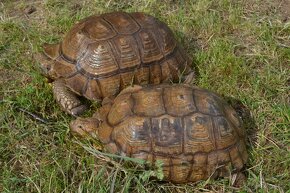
(241, 49)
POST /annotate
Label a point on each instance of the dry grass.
(241, 49)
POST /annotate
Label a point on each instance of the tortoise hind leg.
(190, 78)
(67, 99)
(238, 179)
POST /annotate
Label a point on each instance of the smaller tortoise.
(193, 131)
(103, 54)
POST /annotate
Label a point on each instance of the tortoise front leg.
(68, 100)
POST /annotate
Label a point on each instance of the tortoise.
(193, 131)
(103, 54)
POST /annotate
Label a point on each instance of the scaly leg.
(190, 78)
(67, 99)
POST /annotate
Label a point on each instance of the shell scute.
(64, 68)
(148, 103)
(126, 79)
(121, 109)
(149, 47)
(144, 20)
(225, 133)
(155, 71)
(98, 61)
(93, 91)
(178, 101)
(132, 136)
(96, 28)
(223, 157)
(167, 135)
(141, 76)
(236, 158)
(180, 169)
(167, 39)
(109, 86)
(74, 43)
(77, 81)
(199, 136)
(122, 22)
(128, 54)
(207, 103)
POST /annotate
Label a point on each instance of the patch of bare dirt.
(8, 75)
(285, 10)
(279, 9)
(29, 11)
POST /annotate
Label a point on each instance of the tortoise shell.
(193, 131)
(103, 54)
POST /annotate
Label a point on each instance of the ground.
(241, 49)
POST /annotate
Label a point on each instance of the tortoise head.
(85, 127)
(47, 60)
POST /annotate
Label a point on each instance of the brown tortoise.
(192, 130)
(103, 54)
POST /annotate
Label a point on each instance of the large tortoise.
(193, 131)
(103, 54)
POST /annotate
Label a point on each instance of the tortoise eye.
(181, 96)
(45, 67)
(48, 67)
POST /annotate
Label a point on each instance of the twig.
(36, 117)
(283, 45)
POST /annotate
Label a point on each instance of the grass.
(241, 49)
